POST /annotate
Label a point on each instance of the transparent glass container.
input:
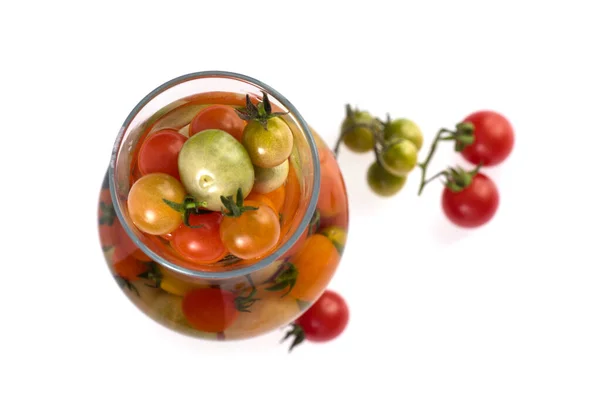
(232, 298)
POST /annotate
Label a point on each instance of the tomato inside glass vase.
(222, 215)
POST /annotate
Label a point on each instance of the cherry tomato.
(159, 153)
(277, 197)
(382, 182)
(291, 201)
(315, 261)
(261, 198)
(125, 247)
(218, 117)
(253, 234)
(494, 138)
(337, 235)
(268, 147)
(129, 268)
(359, 138)
(326, 319)
(332, 195)
(203, 244)
(148, 211)
(399, 158)
(474, 205)
(403, 128)
(210, 309)
(267, 180)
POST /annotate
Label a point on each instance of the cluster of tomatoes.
(470, 198)
(218, 190)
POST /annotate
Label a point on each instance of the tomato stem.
(286, 278)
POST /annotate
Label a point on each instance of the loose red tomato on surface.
(473, 205)
(218, 117)
(493, 138)
(209, 309)
(202, 243)
(159, 153)
(325, 320)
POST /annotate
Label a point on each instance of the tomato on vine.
(493, 138)
(470, 199)
(325, 320)
(382, 182)
(403, 128)
(357, 131)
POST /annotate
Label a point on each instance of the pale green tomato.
(268, 147)
(268, 179)
(212, 163)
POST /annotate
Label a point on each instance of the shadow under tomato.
(445, 233)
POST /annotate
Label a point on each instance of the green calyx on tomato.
(297, 332)
(260, 112)
(152, 274)
(457, 179)
(243, 303)
(107, 214)
(235, 208)
(462, 137)
(188, 207)
(286, 278)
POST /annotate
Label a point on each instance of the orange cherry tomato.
(253, 234)
(277, 197)
(261, 198)
(315, 261)
(332, 196)
(129, 268)
(209, 309)
(146, 205)
(292, 199)
(218, 117)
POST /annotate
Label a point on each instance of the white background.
(508, 311)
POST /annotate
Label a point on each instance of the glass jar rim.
(281, 250)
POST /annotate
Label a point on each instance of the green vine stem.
(462, 137)
(243, 303)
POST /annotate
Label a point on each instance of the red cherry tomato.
(473, 206)
(494, 138)
(218, 117)
(326, 319)
(159, 153)
(209, 309)
(203, 244)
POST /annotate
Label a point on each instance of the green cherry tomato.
(212, 163)
(399, 158)
(403, 128)
(268, 179)
(269, 147)
(382, 182)
(358, 139)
